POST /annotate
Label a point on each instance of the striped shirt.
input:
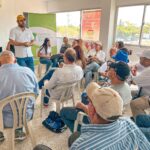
(122, 134)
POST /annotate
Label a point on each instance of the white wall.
(11, 8)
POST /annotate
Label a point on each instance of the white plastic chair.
(79, 120)
(18, 104)
(67, 94)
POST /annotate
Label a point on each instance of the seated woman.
(80, 60)
(45, 53)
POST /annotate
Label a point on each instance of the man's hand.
(80, 105)
(27, 44)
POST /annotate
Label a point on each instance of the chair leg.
(73, 100)
(13, 140)
(31, 134)
(58, 107)
(26, 129)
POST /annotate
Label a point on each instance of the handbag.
(54, 123)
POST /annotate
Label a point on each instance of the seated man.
(65, 46)
(69, 73)
(95, 58)
(118, 73)
(15, 79)
(142, 80)
(107, 130)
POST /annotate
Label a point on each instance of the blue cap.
(121, 56)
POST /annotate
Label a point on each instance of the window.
(146, 28)
(133, 25)
(129, 25)
(68, 24)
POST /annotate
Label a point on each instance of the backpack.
(54, 123)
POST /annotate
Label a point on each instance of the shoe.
(2, 137)
(20, 135)
(46, 101)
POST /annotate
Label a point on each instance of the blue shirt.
(122, 134)
(15, 79)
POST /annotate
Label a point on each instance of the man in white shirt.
(140, 105)
(69, 73)
(22, 38)
(95, 58)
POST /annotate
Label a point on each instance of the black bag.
(54, 123)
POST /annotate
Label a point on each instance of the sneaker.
(46, 101)
(20, 135)
(2, 137)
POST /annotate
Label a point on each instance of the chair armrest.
(79, 120)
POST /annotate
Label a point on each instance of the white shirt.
(67, 74)
(18, 35)
(43, 52)
(100, 54)
(143, 80)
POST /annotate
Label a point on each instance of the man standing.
(15, 79)
(22, 38)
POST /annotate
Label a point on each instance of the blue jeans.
(26, 62)
(143, 122)
(88, 72)
(46, 61)
(47, 76)
(69, 114)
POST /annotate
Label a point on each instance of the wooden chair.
(67, 94)
(18, 104)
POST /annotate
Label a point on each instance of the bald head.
(7, 57)
(70, 56)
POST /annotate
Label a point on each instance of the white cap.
(146, 54)
(107, 102)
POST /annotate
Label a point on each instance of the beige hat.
(106, 101)
(146, 54)
(98, 43)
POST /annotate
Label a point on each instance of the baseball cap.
(106, 101)
(20, 17)
(121, 68)
(121, 56)
(146, 54)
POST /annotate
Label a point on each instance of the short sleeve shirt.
(43, 52)
(18, 35)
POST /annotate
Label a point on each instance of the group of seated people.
(103, 102)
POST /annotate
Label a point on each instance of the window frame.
(142, 24)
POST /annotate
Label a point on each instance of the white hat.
(107, 102)
(146, 54)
